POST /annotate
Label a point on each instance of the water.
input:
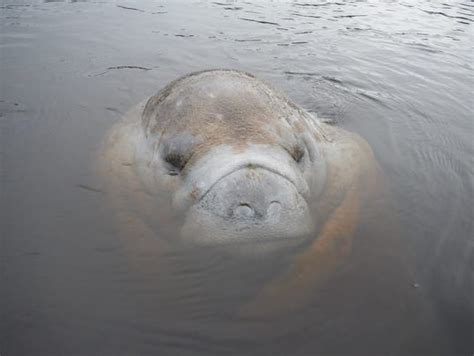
(398, 73)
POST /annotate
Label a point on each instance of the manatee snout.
(252, 195)
(256, 195)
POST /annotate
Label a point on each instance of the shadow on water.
(398, 73)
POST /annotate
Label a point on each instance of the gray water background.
(400, 73)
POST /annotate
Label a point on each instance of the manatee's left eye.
(297, 152)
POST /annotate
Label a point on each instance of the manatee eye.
(297, 152)
(176, 151)
(176, 161)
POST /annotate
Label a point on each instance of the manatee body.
(221, 159)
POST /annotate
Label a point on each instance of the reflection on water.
(398, 73)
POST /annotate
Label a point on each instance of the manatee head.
(239, 162)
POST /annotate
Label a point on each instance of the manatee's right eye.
(176, 151)
(176, 161)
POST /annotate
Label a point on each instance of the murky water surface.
(398, 73)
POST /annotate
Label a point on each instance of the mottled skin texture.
(233, 109)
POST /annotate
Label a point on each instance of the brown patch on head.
(220, 107)
(299, 127)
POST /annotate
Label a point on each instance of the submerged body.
(219, 159)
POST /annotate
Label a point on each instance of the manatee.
(220, 159)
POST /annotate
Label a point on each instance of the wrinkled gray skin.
(229, 161)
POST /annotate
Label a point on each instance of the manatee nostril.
(274, 208)
(244, 210)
